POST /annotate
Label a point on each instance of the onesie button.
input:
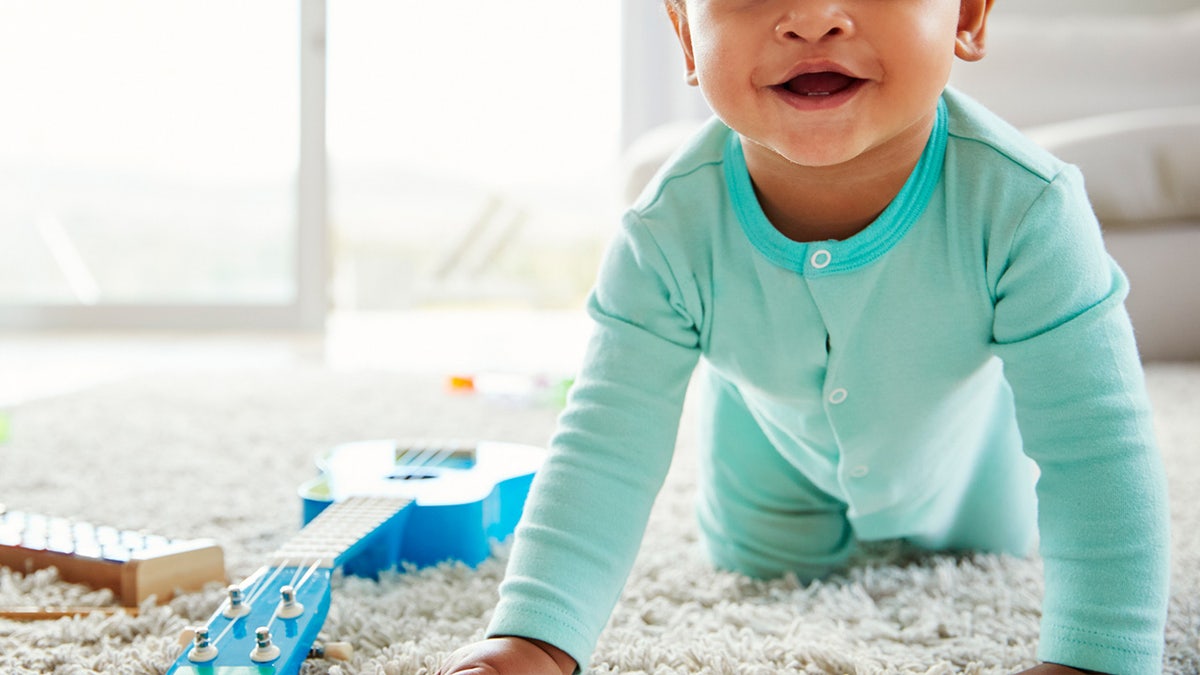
(837, 396)
(860, 471)
(820, 259)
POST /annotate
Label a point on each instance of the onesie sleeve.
(589, 503)
(1068, 349)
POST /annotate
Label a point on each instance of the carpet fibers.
(220, 456)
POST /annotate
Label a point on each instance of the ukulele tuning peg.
(264, 650)
(289, 607)
(335, 651)
(237, 606)
(202, 650)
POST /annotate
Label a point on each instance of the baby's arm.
(582, 524)
(1070, 356)
(508, 656)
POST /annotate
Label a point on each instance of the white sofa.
(1114, 87)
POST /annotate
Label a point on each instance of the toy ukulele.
(376, 505)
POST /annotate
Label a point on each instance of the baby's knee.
(766, 544)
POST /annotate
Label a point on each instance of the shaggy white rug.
(220, 456)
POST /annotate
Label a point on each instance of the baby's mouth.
(825, 83)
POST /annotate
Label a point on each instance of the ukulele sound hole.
(412, 474)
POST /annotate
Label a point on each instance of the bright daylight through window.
(150, 151)
(472, 150)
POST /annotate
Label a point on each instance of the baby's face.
(821, 82)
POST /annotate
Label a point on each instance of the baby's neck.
(835, 202)
(826, 214)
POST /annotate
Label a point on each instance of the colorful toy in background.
(514, 388)
(4, 426)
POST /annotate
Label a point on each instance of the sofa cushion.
(1142, 169)
(1043, 68)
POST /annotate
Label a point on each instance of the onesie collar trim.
(832, 256)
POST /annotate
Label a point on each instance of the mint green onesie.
(912, 381)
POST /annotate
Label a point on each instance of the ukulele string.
(308, 575)
(225, 631)
(297, 583)
(415, 456)
(443, 455)
(270, 580)
(296, 575)
(430, 456)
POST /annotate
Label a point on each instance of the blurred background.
(153, 154)
(380, 181)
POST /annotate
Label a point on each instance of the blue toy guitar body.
(377, 505)
(466, 497)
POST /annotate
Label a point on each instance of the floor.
(39, 364)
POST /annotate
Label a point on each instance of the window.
(150, 153)
(166, 160)
(472, 150)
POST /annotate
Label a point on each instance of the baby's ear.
(972, 29)
(684, 32)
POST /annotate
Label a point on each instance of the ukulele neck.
(341, 530)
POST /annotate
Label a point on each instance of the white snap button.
(820, 259)
(859, 471)
(837, 396)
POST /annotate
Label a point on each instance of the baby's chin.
(810, 151)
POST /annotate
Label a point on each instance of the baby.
(906, 321)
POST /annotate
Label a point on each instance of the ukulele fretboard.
(326, 539)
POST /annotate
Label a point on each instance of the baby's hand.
(508, 656)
